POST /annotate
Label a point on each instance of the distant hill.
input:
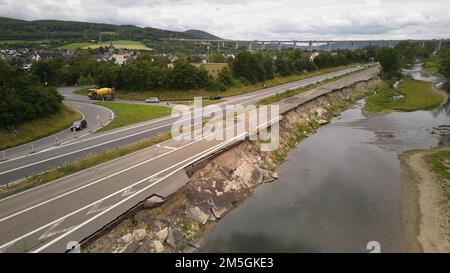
(13, 29)
(199, 34)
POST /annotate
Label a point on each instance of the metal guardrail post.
(32, 148)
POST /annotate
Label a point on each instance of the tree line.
(150, 72)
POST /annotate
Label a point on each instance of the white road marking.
(93, 183)
(2, 247)
(136, 193)
(51, 231)
(96, 208)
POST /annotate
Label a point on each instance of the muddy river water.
(338, 190)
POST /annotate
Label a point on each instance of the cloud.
(255, 19)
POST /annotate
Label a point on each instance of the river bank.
(426, 204)
(218, 186)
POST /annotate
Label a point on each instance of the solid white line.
(98, 201)
(89, 169)
(92, 183)
(190, 160)
(65, 143)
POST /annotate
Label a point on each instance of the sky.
(255, 19)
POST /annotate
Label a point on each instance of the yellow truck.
(101, 94)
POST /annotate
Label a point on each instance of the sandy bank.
(425, 213)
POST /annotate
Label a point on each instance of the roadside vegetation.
(439, 162)
(410, 95)
(77, 166)
(38, 128)
(22, 100)
(292, 92)
(127, 114)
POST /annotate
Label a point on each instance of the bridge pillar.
(310, 47)
(295, 44)
(328, 46)
(223, 44)
(370, 43)
(439, 46)
(279, 46)
(237, 45)
(422, 44)
(263, 45)
(218, 47)
(250, 46)
(353, 45)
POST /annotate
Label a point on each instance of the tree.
(247, 66)
(390, 62)
(216, 58)
(48, 71)
(22, 98)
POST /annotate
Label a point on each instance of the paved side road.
(96, 117)
(41, 161)
(46, 218)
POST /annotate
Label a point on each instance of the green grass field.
(128, 44)
(410, 95)
(74, 46)
(8, 42)
(126, 113)
(39, 128)
(174, 95)
(432, 66)
(439, 163)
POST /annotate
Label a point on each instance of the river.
(338, 190)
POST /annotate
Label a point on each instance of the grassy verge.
(74, 167)
(233, 91)
(410, 95)
(126, 113)
(289, 93)
(204, 102)
(128, 44)
(439, 163)
(39, 128)
(432, 66)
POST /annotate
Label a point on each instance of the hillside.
(199, 34)
(13, 29)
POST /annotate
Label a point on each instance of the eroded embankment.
(220, 184)
(426, 207)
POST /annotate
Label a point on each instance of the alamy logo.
(229, 122)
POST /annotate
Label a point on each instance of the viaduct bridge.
(310, 44)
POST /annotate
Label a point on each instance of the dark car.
(215, 98)
(78, 125)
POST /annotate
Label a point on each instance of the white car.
(152, 100)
